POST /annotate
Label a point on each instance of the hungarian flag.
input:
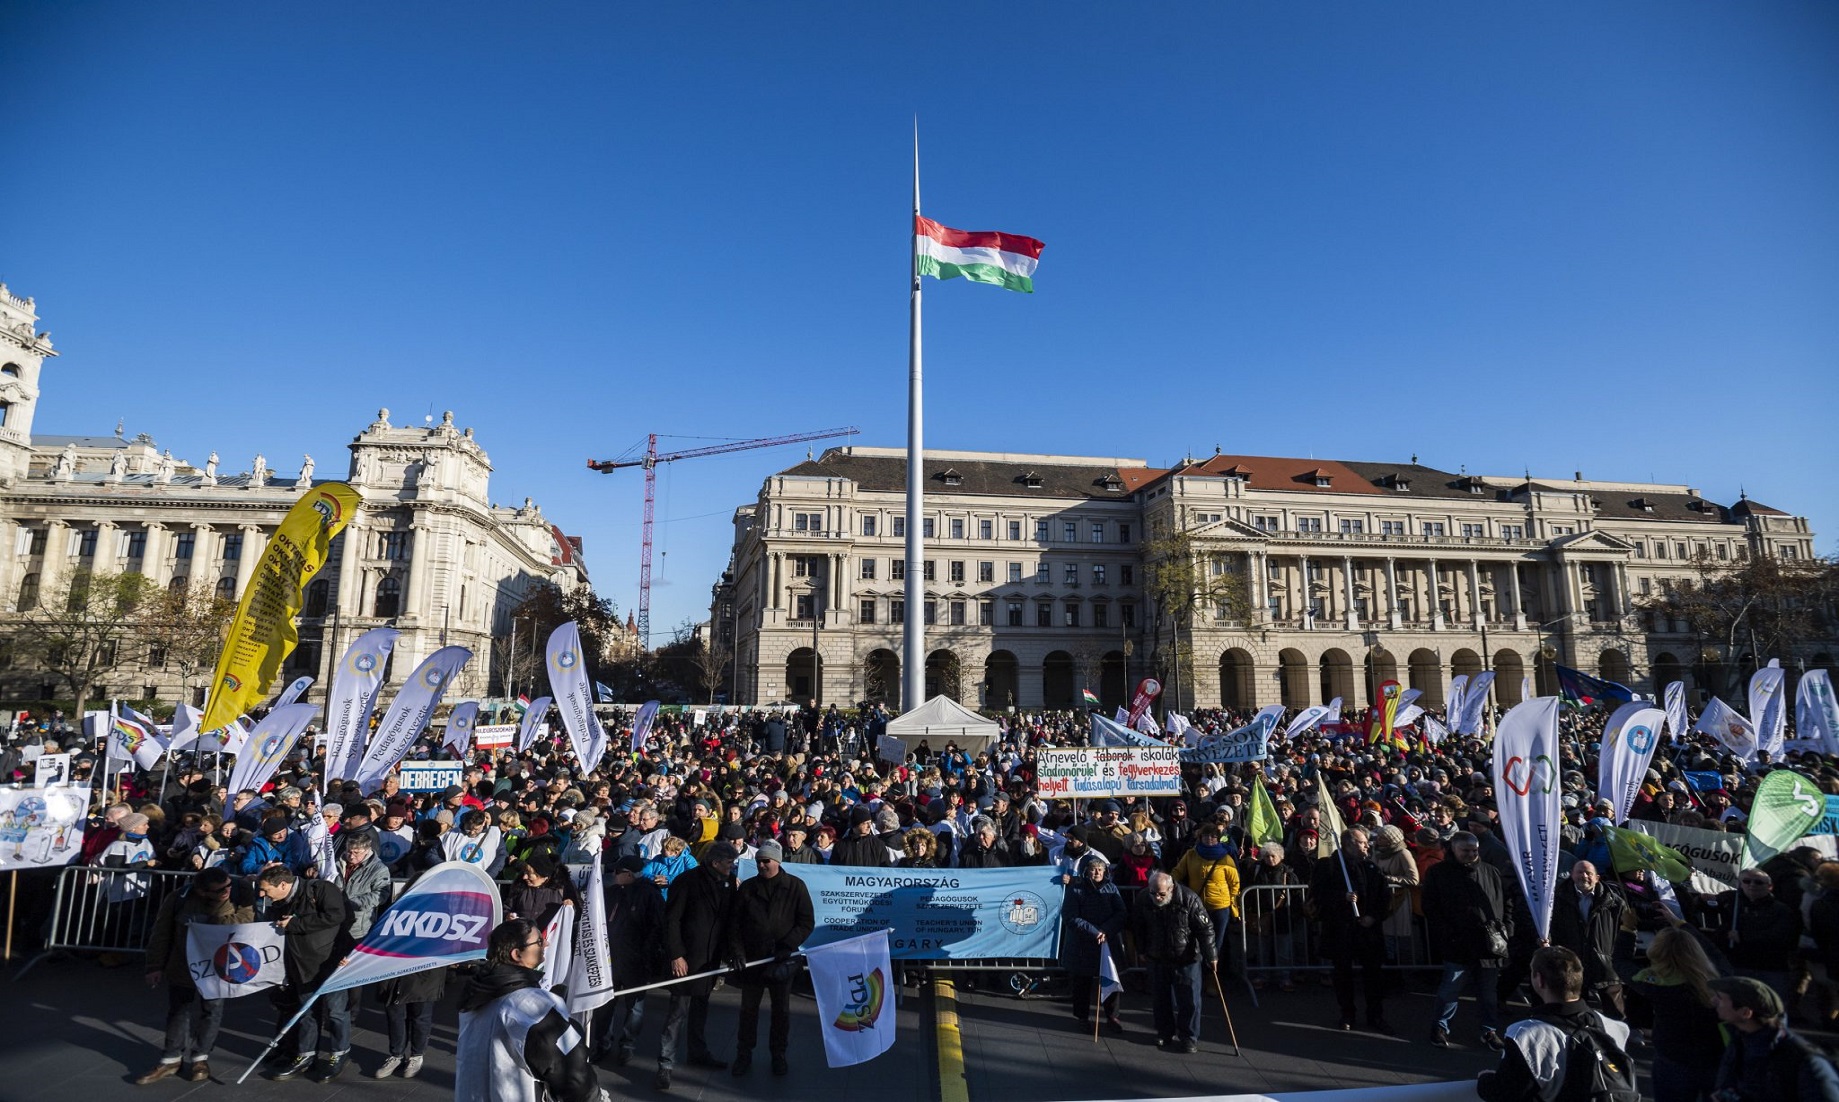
(981, 256)
(523, 703)
(1090, 697)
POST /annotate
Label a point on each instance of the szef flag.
(1526, 768)
(460, 724)
(533, 719)
(267, 746)
(981, 256)
(641, 724)
(568, 679)
(408, 714)
(853, 982)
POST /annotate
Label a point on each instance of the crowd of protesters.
(1418, 875)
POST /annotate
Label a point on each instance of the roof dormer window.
(1643, 504)
(1400, 483)
(952, 478)
(1113, 483)
(1031, 480)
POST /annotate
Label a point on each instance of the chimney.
(1577, 476)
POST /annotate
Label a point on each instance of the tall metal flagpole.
(913, 668)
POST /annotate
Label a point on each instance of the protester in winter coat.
(1675, 987)
(861, 846)
(311, 914)
(983, 849)
(408, 1012)
(1209, 871)
(1463, 898)
(1400, 869)
(635, 924)
(672, 861)
(539, 891)
(1351, 897)
(1094, 916)
(1273, 918)
(696, 919)
(1173, 933)
(516, 1039)
(192, 1022)
(1533, 1060)
(276, 843)
(772, 918)
(1757, 931)
(1765, 1061)
(921, 849)
(1586, 914)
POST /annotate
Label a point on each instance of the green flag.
(1632, 851)
(1787, 805)
(1263, 822)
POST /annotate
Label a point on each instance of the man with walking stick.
(1176, 937)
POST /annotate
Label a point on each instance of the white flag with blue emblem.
(853, 981)
(408, 714)
(224, 962)
(569, 681)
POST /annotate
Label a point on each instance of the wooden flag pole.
(1230, 1031)
(1098, 1005)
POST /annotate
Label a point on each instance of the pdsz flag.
(855, 1004)
(227, 961)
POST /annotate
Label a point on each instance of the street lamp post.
(817, 684)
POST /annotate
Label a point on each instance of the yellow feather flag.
(263, 632)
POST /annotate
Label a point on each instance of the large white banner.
(41, 828)
(267, 746)
(1727, 725)
(1629, 741)
(225, 962)
(853, 982)
(533, 719)
(408, 714)
(1091, 772)
(575, 696)
(460, 725)
(1474, 702)
(1526, 773)
(1678, 725)
(1768, 708)
(1251, 742)
(590, 969)
(1816, 716)
(353, 698)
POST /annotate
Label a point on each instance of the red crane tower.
(650, 460)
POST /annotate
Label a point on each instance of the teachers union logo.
(434, 679)
(862, 1001)
(1640, 738)
(235, 962)
(364, 663)
(328, 509)
(566, 659)
(1022, 912)
(269, 745)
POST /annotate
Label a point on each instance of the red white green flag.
(981, 256)
(1091, 697)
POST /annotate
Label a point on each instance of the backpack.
(1596, 1069)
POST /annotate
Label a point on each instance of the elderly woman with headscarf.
(1400, 868)
(1094, 917)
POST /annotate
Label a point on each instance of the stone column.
(777, 590)
(108, 548)
(153, 559)
(1392, 618)
(421, 564)
(1347, 571)
(350, 596)
(1308, 593)
(1619, 571)
(204, 568)
(246, 559)
(1030, 684)
(1436, 603)
(1254, 565)
(1513, 588)
(1475, 610)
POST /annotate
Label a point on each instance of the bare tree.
(712, 663)
(82, 628)
(183, 628)
(1183, 581)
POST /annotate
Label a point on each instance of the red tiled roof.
(1263, 472)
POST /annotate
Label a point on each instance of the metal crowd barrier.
(1278, 939)
(98, 909)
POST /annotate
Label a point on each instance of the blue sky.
(1583, 237)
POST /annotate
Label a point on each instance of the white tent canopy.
(937, 722)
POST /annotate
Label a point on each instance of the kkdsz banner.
(1094, 771)
(936, 914)
(445, 917)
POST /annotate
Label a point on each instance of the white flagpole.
(914, 636)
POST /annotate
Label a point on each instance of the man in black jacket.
(1351, 897)
(861, 846)
(772, 918)
(1175, 935)
(1586, 916)
(1758, 932)
(695, 928)
(635, 919)
(1533, 1064)
(1463, 896)
(311, 916)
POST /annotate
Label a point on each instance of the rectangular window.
(801, 566)
(1101, 616)
(1308, 524)
(1015, 573)
(803, 606)
(1043, 615)
(1015, 530)
(1391, 527)
(233, 545)
(1098, 533)
(1435, 528)
(1069, 531)
(957, 614)
(1647, 586)
(392, 545)
(867, 613)
(897, 570)
(1564, 530)
(1274, 608)
(1474, 531)
(137, 545)
(897, 611)
(1040, 573)
(1660, 549)
(986, 529)
(957, 528)
(932, 612)
(1679, 551)
(1352, 527)
(1723, 551)
(1071, 613)
(1265, 524)
(1640, 550)
(1127, 575)
(986, 613)
(957, 571)
(926, 571)
(40, 536)
(868, 528)
(807, 522)
(1098, 574)
(1123, 533)
(899, 525)
(868, 570)
(183, 544)
(1513, 531)
(1070, 573)
(86, 543)
(1040, 531)
(1015, 614)
(986, 572)
(1127, 615)
(926, 527)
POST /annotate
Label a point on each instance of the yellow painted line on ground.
(950, 1042)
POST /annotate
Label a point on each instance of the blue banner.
(936, 914)
(1707, 781)
(1829, 823)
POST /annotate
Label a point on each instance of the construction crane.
(650, 460)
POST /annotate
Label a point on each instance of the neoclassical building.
(427, 552)
(1353, 573)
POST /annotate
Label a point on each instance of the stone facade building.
(1352, 573)
(427, 552)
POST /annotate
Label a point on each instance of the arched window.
(28, 593)
(389, 598)
(315, 599)
(179, 584)
(11, 370)
(226, 589)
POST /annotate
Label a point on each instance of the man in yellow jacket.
(1209, 870)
